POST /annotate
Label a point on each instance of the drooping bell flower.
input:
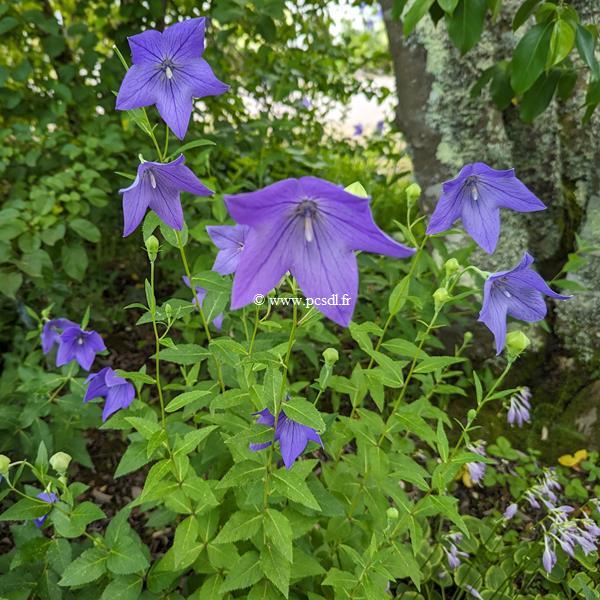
(518, 411)
(549, 555)
(158, 186)
(476, 196)
(51, 332)
(230, 240)
(199, 296)
(168, 70)
(50, 498)
(516, 293)
(80, 345)
(311, 228)
(116, 390)
(293, 437)
(476, 469)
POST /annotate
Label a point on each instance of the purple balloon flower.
(158, 186)
(518, 411)
(230, 240)
(293, 437)
(80, 345)
(311, 228)
(51, 332)
(118, 392)
(168, 71)
(516, 293)
(49, 497)
(200, 295)
(476, 196)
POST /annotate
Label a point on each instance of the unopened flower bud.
(413, 193)
(440, 297)
(152, 247)
(331, 355)
(471, 415)
(468, 337)
(392, 513)
(516, 343)
(4, 464)
(451, 266)
(60, 461)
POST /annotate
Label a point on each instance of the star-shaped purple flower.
(158, 186)
(51, 332)
(311, 228)
(200, 295)
(292, 436)
(118, 392)
(516, 293)
(49, 497)
(168, 71)
(230, 240)
(476, 196)
(80, 345)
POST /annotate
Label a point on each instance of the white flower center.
(152, 179)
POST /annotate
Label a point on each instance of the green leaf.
(11, 282)
(448, 6)
(293, 487)
(529, 57)
(26, 509)
(404, 348)
(127, 587)
(185, 354)
(562, 41)
(242, 525)
(538, 97)
(126, 557)
(433, 363)
(73, 524)
(192, 144)
(304, 412)
(192, 439)
(186, 398)
(135, 457)
(74, 261)
(88, 567)
(86, 229)
(276, 568)
(145, 426)
(186, 546)
(243, 573)
(417, 10)
(465, 25)
(340, 580)
(523, 13)
(279, 532)
(399, 296)
(586, 45)
(245, 472)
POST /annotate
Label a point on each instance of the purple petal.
(351, 217)
(146, 47)
(218, 322)
(118, 397)
(482, 221)
(200, 79)
(326, 272)
(507, 191)
(140, 87)
(166, 203)
(292, 440)
(262, 446)
(135, 203)
(493, 314)
(447, 210)
(265, 418)
(97, 387)
(84, 355)
(174, 103)
(66, 352)
(230, 240)
(184, 40)
(180, 177)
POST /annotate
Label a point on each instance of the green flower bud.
(152, 247)
(413, 193)
(440, 297)
(451, 266)
(468, 337)
(4, 464)
(392, 513)
(331, 355)
(471, 415)
(516, 343)
(60, 461)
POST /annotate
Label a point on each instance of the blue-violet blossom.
(50, 498)
(476, 196)
(78, 344)
(117, 391)
(168, 70)
(515, 293)
(230, 240)
(51, 332)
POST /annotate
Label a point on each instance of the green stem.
(157, 349)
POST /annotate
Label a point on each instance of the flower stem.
(157, 349)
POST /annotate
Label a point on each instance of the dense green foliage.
(165, 499)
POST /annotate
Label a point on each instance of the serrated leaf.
(242, 525)
(276, 568)
(185, 354)
(293, 487)
(279, 532)
(186, 398)
(88, 567)
(304, 412)
(243, 573)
